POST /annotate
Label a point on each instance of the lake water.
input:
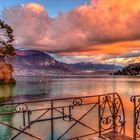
(33, 88)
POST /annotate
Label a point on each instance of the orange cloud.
(116, 49)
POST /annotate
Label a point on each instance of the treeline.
(130, 70)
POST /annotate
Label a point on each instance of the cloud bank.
(104, 27)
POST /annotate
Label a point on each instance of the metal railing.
(136, 116)
(104, 113)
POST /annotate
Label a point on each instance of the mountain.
(91, 66)
(130, 70)
(30, 62)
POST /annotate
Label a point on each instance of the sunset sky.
(98, 31)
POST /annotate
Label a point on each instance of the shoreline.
(76, 76)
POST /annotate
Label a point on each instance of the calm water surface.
(32, 88)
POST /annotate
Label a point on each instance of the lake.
(33, 88)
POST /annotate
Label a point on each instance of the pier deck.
(116, 136)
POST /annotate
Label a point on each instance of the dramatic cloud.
(30, 23)
(104, 27)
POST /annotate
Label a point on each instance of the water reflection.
(6, 132)
(6, 92)
(64, 87)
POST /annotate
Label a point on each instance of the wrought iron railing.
(136, 116)
(95, 114)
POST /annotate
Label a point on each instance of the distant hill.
(132, 69)
(30, 62)
(91, 66)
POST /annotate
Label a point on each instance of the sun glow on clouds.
(34, 6)
(102, 31)
(123, 61)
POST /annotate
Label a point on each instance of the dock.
(116, 136)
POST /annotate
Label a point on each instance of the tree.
(6, 40)
(6, 51)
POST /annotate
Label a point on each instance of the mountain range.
(91, 66)
(31, 62)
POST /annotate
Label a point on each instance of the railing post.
(134, 119)
(114, 114)
(133, 99)
(99, 115)
(52, 125)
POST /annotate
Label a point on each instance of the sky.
(72, 31)
(52, 6)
